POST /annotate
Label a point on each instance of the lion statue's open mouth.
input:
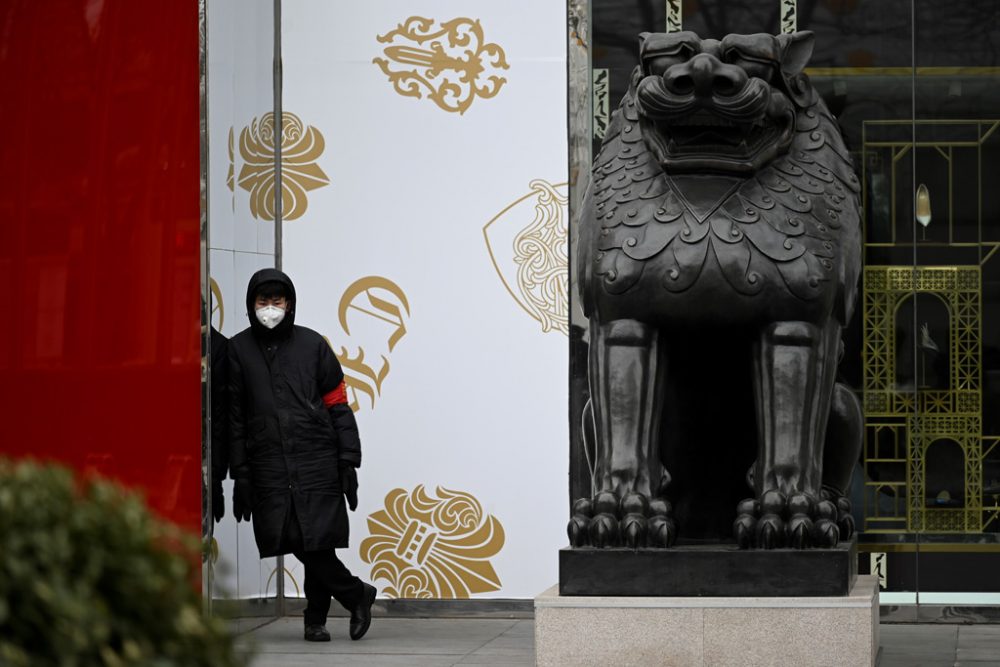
(708, 141)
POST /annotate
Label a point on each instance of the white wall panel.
(475, 397)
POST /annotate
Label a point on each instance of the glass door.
(955, 460)
(238, 162)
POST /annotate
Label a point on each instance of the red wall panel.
(99, 254)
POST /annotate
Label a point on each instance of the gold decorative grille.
(966, 432)
(917, 418)
(886, 287)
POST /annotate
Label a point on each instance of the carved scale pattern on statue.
(723, 200)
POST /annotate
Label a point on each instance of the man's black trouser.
(326, 576)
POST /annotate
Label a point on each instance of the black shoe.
(361, 617)
(317, 633)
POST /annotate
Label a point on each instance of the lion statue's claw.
(841, 512)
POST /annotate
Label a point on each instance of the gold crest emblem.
(385, 303)
(532, 259)
(301, 146)
(427, 547)
(452, 65)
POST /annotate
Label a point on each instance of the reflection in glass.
(929, 368)
(239, 37)
(945, 485)
(923, 208)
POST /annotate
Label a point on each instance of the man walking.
(294, 450)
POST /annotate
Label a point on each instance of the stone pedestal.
(708, 570)
(709, 631)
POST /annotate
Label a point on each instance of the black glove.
(218, 500)
(242, 498)
(349, 484)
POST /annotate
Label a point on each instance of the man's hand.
(349, 484)
(218, 500)
(242, 499)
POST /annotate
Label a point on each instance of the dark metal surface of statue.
(718, 261)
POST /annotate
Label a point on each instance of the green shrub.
(88, 576)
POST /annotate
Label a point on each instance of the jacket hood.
(286, 324)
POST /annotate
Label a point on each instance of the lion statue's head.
(721, 105)
(722, 166)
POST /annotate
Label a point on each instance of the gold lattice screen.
(902, 423)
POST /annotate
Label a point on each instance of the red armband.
(338, 395)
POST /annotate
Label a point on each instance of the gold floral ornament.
(451, 65)
(427, 547)
(301, 146)
(535, 270)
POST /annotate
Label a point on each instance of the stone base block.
(714, 569)
(709, 631)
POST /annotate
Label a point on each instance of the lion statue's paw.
(632, 521)
(798, 520)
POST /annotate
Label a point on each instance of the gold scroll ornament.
(534, 266)
(230, 173)
(382, 299)
(452, 64)
(433, 547)
(301, 146)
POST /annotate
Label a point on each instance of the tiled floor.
(931, 645)
(398, 641)
(440, 642)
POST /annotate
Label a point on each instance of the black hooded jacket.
(282, 435)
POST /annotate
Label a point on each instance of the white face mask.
(270, 316)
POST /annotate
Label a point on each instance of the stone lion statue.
(718, 260)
